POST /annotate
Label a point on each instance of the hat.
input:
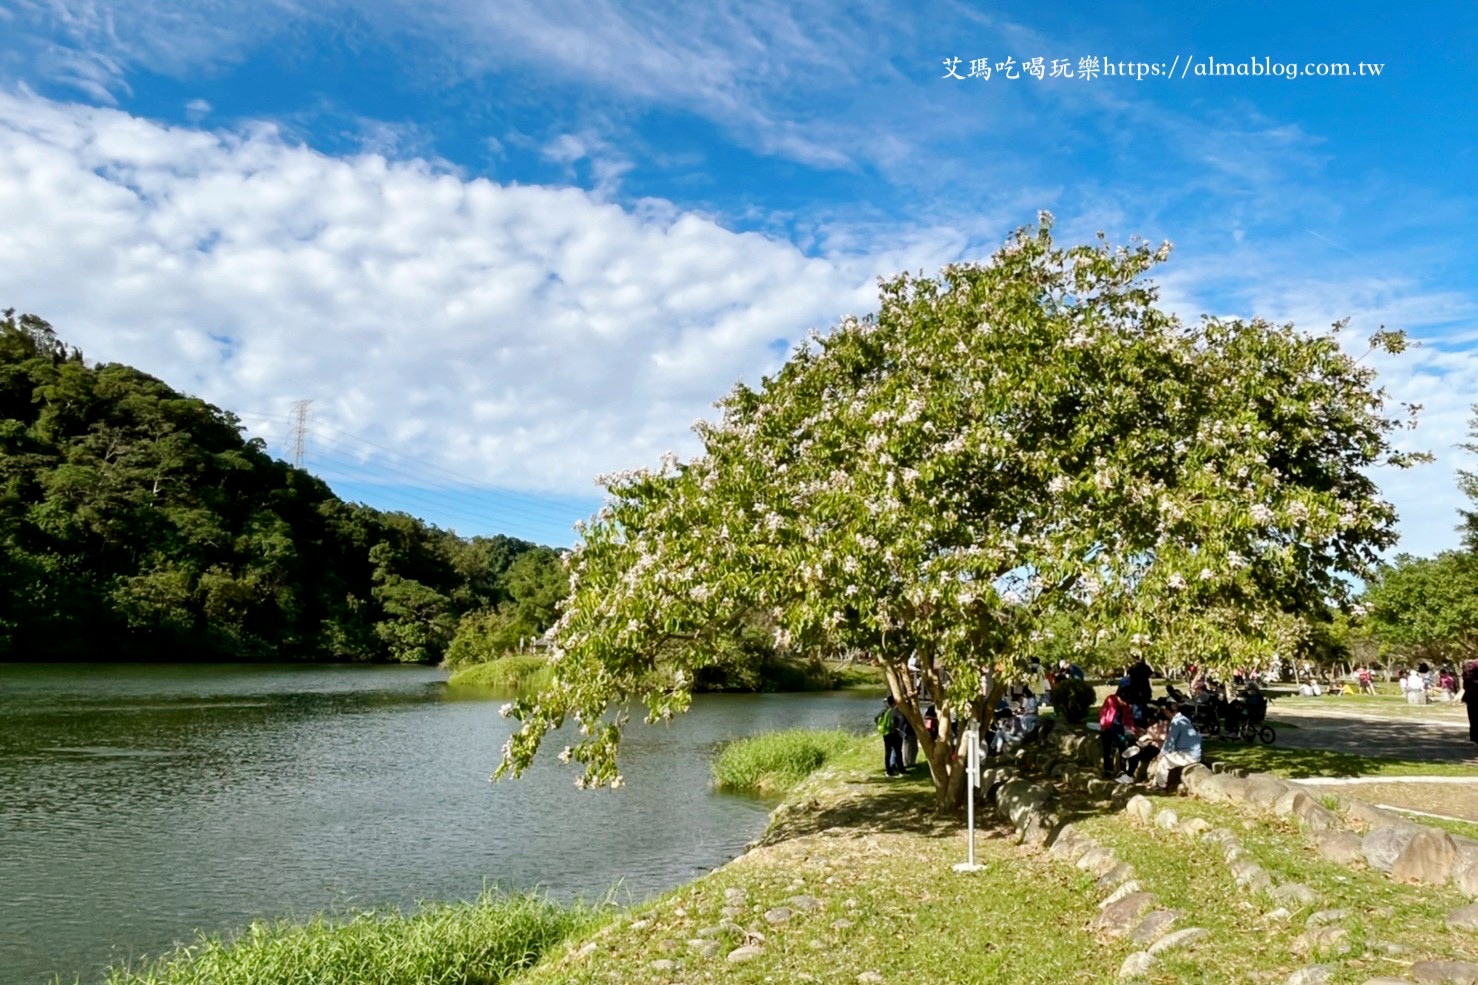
(1125, 682)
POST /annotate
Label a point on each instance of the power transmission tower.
(301, 417)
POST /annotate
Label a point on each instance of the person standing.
(1182, 746)
(1367, 686)
(890, 726)
(1140, 691)
(1115, 726)
(1470, 697)
(1415, 688)
(910, 742)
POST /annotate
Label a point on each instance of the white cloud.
(528, 336)
(532, 336)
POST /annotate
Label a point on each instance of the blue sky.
(506, 246)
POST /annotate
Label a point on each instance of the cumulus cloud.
(527, 336)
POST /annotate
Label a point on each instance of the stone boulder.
(1294, 894)
(1263, 791)
(1193, 776)
(1464, 918)
(1121, 917)
(1153, 927)
(1383, 845)
(1372, 816)
(1427, 860)
(1227, 788)
(1344, 847)
(1313, 815)
(1137, 965)
(1445, 972)
(1181, 938)
(1098, 860)
(1140, 808)
(1465, 867)
(1194, 827)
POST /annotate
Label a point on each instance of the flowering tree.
(994, 448)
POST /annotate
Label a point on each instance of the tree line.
(139, 523)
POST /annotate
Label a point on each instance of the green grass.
(856, 677)
(1298, 763)
(478, 943)
(1192, 877)
(505, 674)
(773, 763)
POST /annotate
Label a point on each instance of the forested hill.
(137, 523)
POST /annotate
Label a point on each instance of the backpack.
(885, 722)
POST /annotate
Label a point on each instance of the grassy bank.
(505, 674)
(775, 762)
(478, 943)
(526, 673)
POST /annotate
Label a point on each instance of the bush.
(776, 761)
(1072, 698)
(486, 941)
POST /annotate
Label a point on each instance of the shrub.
(1072, 698)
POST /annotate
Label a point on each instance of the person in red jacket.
(1115, 726)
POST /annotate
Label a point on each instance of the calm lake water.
(139, 804)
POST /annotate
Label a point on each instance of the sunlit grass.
(505, 674)
(774, 762)
(477, 943)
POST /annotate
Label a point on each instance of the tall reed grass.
(775, 762)
(478, 943)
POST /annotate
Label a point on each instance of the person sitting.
(1007, 733)
(1182, 746)
(1144, 751)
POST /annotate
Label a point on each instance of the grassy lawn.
(861, 865)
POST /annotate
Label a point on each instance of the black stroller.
(1245, 718)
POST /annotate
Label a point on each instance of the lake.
(141, 803)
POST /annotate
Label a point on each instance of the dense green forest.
(138, 523)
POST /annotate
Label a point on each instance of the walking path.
(1375, 735)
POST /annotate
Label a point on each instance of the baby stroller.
(1206, 715)
(1245, 718)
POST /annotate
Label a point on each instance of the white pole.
(972, 783)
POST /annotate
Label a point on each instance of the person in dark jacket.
(1140, 692)
(1470, 697)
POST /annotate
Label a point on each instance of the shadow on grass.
(871, 803)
